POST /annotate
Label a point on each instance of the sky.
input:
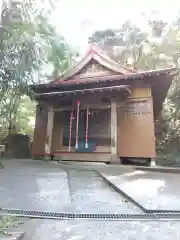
(77, 19)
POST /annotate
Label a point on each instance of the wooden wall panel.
(136, 136)
(57, 132)
(38, 145)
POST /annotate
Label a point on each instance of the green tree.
(60, 55)
(156, 49)
(25, 116)
(123, 44)
(28, 43)
(129, 45)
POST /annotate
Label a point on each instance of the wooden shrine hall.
(99, 110)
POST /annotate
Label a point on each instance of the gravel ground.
(90, 194)
(86, 230)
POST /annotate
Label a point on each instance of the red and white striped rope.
(70, 130)
(87, 125)
(77, 124)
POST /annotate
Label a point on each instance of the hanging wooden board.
(136, 109)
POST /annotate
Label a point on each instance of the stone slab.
(34, 191)
(152, 190)
(91, 194)
(43, 186)
(103, 230)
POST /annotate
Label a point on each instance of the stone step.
(86, 157)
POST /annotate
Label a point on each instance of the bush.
(7, 222)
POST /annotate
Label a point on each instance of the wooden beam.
(84, 106)
(125, 88)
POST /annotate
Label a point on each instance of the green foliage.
(28, 45)
(6, 223)
(59, 53)
(158, 48)
(25, 117)
(130, 46)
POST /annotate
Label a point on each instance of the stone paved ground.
(90, 194)
(153, 190)
(48, 187)
(41, 188)
(103, 230)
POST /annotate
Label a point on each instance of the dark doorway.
(99, 130)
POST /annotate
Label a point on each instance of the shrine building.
(99, 111)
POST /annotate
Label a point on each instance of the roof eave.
(126, 88)
(140, 75)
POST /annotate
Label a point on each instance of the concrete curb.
(117, 189)
(159, 169)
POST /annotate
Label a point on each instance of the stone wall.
(17, 146)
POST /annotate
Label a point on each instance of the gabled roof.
(97, 69)
(99, 57)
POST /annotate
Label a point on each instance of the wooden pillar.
(114, 129)
(49, 131)
(38, 144)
